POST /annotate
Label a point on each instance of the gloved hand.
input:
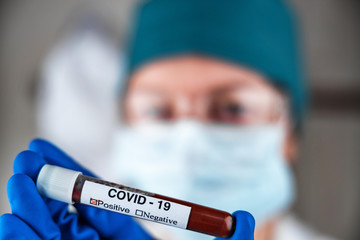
(245, 226)
(37, 217)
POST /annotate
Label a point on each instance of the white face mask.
(229, 168)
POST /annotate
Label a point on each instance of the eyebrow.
(229, 87)
(150, 90)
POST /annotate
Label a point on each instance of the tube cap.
(57, 182)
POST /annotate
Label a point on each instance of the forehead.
(194, 75)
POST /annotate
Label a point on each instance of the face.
(210, 92)
(203, 89)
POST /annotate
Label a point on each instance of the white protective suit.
(77, 94)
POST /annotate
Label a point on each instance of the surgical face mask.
(229, 168)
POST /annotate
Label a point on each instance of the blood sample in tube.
(73, 187)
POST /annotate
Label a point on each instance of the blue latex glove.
(245, 226)
(37, 217)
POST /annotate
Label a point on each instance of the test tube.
(73, 187)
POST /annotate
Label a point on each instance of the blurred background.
(37, 35)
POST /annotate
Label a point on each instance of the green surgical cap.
(258, 34)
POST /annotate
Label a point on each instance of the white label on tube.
(135, 204)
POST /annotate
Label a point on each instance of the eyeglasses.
(237, 106)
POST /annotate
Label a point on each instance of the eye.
(232, 109)
(229, 112)
(158, 113)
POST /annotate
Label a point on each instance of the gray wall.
(329, 183)
(329, 164)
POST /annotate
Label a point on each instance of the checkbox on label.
(139, 213)
(93, 201)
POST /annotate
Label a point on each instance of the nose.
(189, 108)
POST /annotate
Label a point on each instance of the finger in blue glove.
(12, 227)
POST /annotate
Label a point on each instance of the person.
(212, 107)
